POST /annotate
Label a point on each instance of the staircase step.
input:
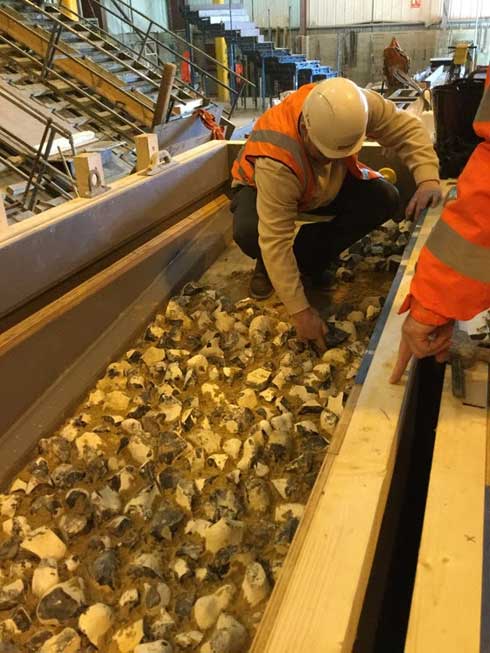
(112, 66)
(143, 87)
(129, 77)
(220, 11)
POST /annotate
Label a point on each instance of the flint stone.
(10, 595)
(257, 495)
(129, 637)
(230, 636)
(61, 602)
(224, 533)
(130, 597)
(146, 565)
(259, 378)
(160, 646)
(44, 543)
(21, 619)
(287, 510)
(68, 641)
(208, 608)
(95, 622)
(66, 476)
(171, 445)
(157, 595)
(255, 585)
(189, 639)
(73, 525)
(165, 522)
(105, 568)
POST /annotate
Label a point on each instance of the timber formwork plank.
(316, 604)
(446, 605)
(68, 60)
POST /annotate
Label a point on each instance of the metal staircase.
(274, 69)
(126, 75)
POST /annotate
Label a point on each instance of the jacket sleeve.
(278, 193)
(404, 134)
(452, 279)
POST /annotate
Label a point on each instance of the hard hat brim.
(337, 154)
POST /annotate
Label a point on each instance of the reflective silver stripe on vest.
(483, 113)
(240, 152)
(242, 173)
(459, 254)
(286, 142)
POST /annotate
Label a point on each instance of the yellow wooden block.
(89, 174)
(146, 151)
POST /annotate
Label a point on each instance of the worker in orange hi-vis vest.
(452, 279)
(300, 164)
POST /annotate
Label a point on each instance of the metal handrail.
(74, 86)
(58, 46)
(53, 18)
(109, 39)
(148, 36)
(67, 55)
(179, 38)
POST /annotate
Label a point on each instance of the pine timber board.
(109, 86)
(446, 605)
(316, 604)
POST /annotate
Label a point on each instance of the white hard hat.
(335, 114)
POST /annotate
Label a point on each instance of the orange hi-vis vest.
(276, 136)
(452, 280)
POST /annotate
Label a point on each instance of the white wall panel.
(469, 8)
(279, 12)
(155, 10)
(328, 13)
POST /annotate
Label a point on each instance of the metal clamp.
(159, 161)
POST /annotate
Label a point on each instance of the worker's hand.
(428, 193)
(421, 340)
(310, 326)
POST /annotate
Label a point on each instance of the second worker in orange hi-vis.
(452, 279)
(300, 164)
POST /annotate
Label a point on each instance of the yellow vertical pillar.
(222, 56)
(71, 7)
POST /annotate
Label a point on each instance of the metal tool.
(464, 353)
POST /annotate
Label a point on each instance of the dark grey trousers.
(359, 207)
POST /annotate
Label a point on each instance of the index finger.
(320, 345)
(404, 356)
(410, 208)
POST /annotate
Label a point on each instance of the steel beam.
(52, 246)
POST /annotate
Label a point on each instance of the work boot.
(260, 284)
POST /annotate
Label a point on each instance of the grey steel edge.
(48, 248)
(48, 373)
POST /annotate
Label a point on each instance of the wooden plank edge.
(42, 318)
(448, 580)
(295, 548)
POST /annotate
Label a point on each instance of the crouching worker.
(300, 164)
